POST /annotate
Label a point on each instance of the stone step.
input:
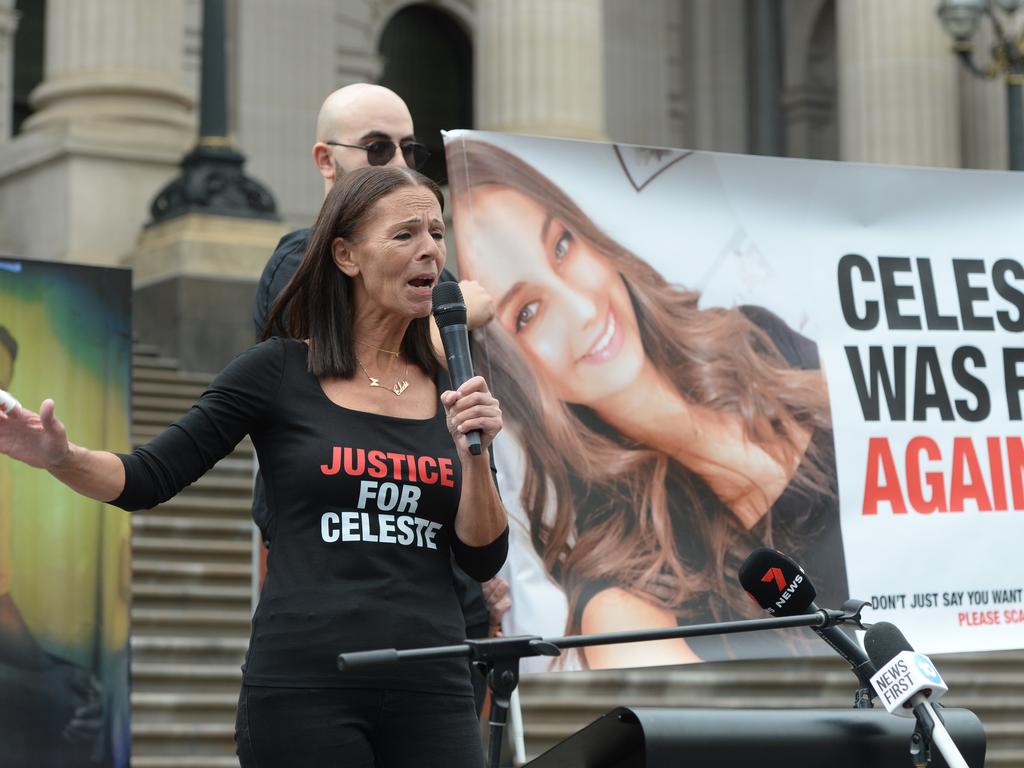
(173, 389)
(200, 549)
(188, 644)
(170, 407)
(187, 595)
(172, 706)
(186, 730)
(143, 348)
(185, 738)
(146, 672)
(153, 649)
(163, 677)
(173, 572)
(195, 622)
(158, 523)
(191, 502)
(155, 703)
(182, 761)
(157, 364)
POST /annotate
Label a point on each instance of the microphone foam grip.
(776, 583)
(883, 641)
(448, 305)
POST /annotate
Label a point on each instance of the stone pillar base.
(203, 322)
(203, 245)
(195, 279)
(80, 192)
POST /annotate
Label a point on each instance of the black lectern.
(789, 738)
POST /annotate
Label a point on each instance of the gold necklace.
(399, 387)
(380, 349)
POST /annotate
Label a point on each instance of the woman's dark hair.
(317, 303)
(633, 496)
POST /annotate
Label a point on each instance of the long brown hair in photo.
(635, 498)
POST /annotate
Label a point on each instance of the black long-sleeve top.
(362, 513)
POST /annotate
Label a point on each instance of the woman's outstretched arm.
(240, 397)
(40, 440)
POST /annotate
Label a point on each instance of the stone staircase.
(191, 604)
(191, 590)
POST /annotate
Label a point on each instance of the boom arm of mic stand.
(500, 656)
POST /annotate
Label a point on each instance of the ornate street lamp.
(961, 19)
(212, 179)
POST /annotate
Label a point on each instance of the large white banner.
(700, 353)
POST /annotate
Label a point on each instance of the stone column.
(645, 101)
(112, 121)
(539, 67)
(898, 97)
(719, 83)
(8, 26)
(113, 60)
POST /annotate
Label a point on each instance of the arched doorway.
(428, 61)
(28, 58)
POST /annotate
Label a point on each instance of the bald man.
(357, 126)
(354, 127)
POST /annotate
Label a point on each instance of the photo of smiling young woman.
(665, 440)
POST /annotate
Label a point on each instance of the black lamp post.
(961, 19)
(212, 178)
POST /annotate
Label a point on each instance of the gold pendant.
(374, 382)
(400, 387)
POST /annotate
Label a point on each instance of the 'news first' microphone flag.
(908, 683)
(902, 672)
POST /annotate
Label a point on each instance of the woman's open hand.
(472, 406)
(38, 439)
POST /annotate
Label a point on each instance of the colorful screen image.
(65, 567)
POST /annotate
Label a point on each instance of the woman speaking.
(370, 485)
(665, 440)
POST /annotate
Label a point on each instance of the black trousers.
(355, 728)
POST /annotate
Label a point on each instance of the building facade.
(99, 100)
(102, 95)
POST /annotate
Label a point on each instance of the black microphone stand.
(499, 656)
(852, 609)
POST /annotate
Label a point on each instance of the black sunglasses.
(381, 151)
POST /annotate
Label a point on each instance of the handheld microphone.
(782, 588)
(449, 309)
(907, 682)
